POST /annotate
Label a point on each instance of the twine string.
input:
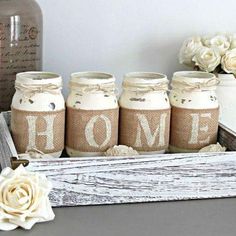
(144, 88)
(108, 88)
(29, 90)
(188, 86)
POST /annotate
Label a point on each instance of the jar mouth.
(145, 78)
(92, 77)
(189, 81)
(193, 75)
(39, 77)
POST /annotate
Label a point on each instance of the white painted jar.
(145, 112)
(92, 114)
(38, 113)
(195, 111)
(226, 92)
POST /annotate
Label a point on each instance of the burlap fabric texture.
(43, 131)
(193, 129)
(91, 130)
(145, 130)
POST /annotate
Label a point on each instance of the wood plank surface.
(7, 147)
(96, 181)
(104, 180)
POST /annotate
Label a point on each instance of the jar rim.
(189, 81)
(92, 77)
(38, 78)
(195, 75)
(143, 78)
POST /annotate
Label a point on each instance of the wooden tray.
(103, 180)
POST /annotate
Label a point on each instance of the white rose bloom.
(221, 42)
(229, 61)
(23, 199)
(207, 59)
(233, 41)
(188, 50)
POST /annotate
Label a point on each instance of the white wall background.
(120, 36)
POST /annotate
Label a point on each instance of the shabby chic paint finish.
(117, 180)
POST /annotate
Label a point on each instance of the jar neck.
(31, 83)
(108, 88)
(35, 78)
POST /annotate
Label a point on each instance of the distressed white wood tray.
(103, 180)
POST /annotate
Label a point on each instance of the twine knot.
(29, 90)
(190, 86)
(145, 88)
(107, 88)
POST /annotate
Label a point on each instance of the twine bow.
(187, 86)
(29, 90)
(144, 88)
(108, 88)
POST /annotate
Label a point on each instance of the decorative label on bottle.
(20, 50)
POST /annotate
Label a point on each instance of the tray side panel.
(227, 138)
(79, 182)
(7, 147)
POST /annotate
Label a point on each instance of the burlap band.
(43, 131)
(193, 129)
(145, 130)
(92, 130)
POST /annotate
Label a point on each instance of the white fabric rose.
(188, 50)
(228, 61)
(233, 41)
(23, 199)
(207, 59)
(220, 42)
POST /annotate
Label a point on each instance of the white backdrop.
(120, 36)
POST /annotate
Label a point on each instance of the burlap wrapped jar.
(145, 112)
(195, 111)
(92, 114)
(38, 113)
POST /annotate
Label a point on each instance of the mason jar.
(38, 113)
(92, 114)
(21, 33)
(195, 111)
(145, 112)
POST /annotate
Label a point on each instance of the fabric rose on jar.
(207, 59)
(219, 42)
(228, 61)
(189, 49)
(23, 199)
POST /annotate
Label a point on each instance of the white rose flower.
(23, 199)
(221, 42)
(207, 59)
(229, 61)
(188, 50)
(233, 41)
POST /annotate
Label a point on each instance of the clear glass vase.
(20, 44)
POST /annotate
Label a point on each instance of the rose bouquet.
(215, 54)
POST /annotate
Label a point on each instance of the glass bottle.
(20, 44)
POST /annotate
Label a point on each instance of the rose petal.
(6, 226)
(23, 199)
